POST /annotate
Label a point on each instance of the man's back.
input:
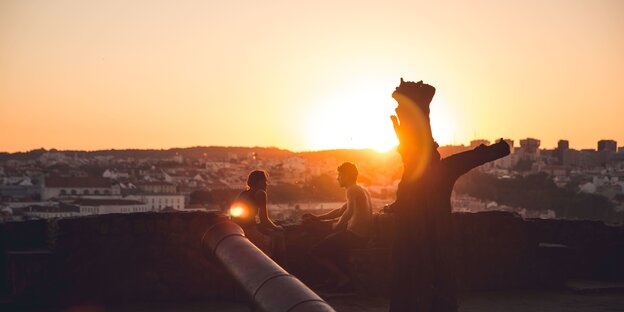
(361, 218)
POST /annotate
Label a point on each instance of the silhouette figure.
(351, 230)
(250, 212)
(423, 278)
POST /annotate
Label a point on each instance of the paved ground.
(516, 301)
(564, 301)
(509, 301)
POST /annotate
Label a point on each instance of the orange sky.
(305, 75)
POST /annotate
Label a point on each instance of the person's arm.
(352, 201)
(460, 163)
(263, 213)
(336, 213)
(344, 219)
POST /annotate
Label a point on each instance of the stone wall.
(595, 251)
(157, 256)
(499, 250)
(118, 258)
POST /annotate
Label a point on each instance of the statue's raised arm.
(411, 123)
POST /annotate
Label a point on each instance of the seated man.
(351, 230)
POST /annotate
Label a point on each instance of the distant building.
(89, 206)
(20, 191)
(52, 157)
(621, 150)
(475, 143)
(178, 158)
(561, 152)
(56, 211)
(607, 146)
(290, 170)
(57, 187)
(506, 162)
(510, 142)
(158, 202)
(114, 174)
(587, 158)
(530, 146)
(157, 187)
(554, 170)
(529, 150)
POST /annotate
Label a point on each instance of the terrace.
(155, 261)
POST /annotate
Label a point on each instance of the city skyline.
(516, 141)
(313, 76)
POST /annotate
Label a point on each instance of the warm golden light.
(353, 116)
(443, 125)
(67, 72)
(419, 131)
(237, 212)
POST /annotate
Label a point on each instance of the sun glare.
(442, 125)
(357, 116)
(354, 117)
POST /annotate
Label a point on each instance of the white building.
(53, 157)
(114, 174)
(57, 211)
(91, 206)
(23, 204)
(178, 158)
(159, 187)
(158, 202)
(17, 180)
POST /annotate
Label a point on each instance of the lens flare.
(237, 212)
(414, 133)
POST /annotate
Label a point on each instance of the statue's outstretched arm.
(460, 163)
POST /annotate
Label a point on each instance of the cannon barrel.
(268, 285)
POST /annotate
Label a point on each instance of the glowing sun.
(357, 116)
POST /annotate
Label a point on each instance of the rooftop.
(105, 201)
(77, 182)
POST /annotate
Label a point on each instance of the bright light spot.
(354, 116)
(357, 115)
(442, 125)
(415, 128)
(237, 212)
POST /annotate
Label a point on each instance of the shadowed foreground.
(512, 301)
(154, 261)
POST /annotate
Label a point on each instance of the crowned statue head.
(414, 93)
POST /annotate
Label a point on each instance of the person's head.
(347, 174)
(415, 93)
(257, 179)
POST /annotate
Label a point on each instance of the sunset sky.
(305, 75)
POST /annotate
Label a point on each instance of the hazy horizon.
(392, 149)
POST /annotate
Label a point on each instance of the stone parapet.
(158, 256)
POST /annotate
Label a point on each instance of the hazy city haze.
(157, 74)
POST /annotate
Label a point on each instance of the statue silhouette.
(423, 278)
